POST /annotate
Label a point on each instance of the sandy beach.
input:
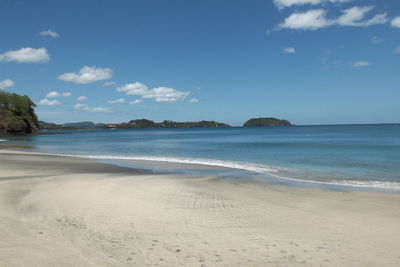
(58, 211)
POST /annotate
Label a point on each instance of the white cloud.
(108, 83)
(49, 33)
(136, 88)
(117, 101)
(136, 101)
(80, 106)
(101, 109)
(396, 22)
(352, 16)
(85, 107)
(159, 94)
(87, 75)
(289, 50)
(355, 17)
(397, 50)
(6, 83)
(377, 19)
(26, 55)
(193, 100)
(316, 19)
(82, 98)
(309, 20)
(361, 63)
(47, 102)
(165, 94)
(54, 94)
(288, 3)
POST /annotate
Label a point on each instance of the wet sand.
(58, 211)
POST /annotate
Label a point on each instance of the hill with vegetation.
(69, 126)
(17, 115)
(266, 122)
(144, 123)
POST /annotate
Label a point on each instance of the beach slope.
(61, 211)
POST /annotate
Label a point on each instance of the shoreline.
(59, 211)
(260, 173)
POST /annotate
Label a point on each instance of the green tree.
(17, 115)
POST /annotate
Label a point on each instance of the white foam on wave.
(3, 140)
(206, 162)
(256, 168)
(370, 184)
(351, 183)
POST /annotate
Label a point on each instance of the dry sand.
(59, 211)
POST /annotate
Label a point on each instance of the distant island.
(17, 115)
(266, 122)
(133, 124)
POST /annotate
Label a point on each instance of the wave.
(3, 140)
(251, 167)
(206, 162)
(347, 183)
(373, 184)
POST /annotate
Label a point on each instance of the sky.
(308, 61)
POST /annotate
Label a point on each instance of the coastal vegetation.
(133, 124)
(69, 126)
(144, 123)
(17, 115)
(266, 122)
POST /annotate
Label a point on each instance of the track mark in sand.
(226, 224)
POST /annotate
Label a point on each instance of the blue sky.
(309, 61)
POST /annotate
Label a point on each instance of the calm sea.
(351, 156)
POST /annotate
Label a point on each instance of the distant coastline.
(101, 126)
(149, 124)
(133, 124)
(350, 124)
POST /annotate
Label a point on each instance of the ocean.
(348, 157)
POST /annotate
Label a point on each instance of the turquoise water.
(363, 156)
